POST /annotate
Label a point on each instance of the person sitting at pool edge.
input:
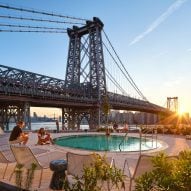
(44, 137)
(17, 135)
(125, 128)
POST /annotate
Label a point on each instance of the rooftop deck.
(172, 145)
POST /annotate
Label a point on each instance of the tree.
(105, 105)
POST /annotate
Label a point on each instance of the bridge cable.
(28, 26)
(107, 72)
(109, 75)
(114, 83)
(39, 20)
(122, 70)
(135, 86)
(35, 31)
(40, 12)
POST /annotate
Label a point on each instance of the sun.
(181, 111)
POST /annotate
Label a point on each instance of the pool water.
(106, 143)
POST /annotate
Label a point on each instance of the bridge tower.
(172, 104)
(86, 69)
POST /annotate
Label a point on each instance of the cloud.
(174, 83)
(159, 20)
(189, 50)
(160, 54)
(155, 57)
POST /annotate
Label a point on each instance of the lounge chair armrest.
(112, 164)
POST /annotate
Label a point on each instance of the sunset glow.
(181, 111)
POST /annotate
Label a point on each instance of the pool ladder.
(122, 141)
(148, 132)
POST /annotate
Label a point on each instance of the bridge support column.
(69, 117)
(63, 120)
(3, 117)
(26, 115)
(73, 117)
(14, 113)
(94, 120)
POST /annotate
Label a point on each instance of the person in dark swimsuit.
(17, 135)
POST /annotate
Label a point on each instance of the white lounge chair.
(1, 131)
(144, 164)
(77, 162)
(4, 159)
(25, 157)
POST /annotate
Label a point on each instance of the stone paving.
(171, 144)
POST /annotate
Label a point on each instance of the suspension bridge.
(91, 82)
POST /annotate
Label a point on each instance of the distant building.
(132, 117)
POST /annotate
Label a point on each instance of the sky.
(151, 37)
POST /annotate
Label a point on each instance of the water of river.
(52, 126)
(46, 125)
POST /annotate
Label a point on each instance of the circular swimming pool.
(106, 143)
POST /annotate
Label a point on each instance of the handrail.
(145, 132)
(122, 141)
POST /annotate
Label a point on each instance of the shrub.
(144, 182)
(160, 130)
(167, 174)
(186, 130)
(182, 171)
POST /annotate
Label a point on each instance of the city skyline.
(151, 37)
(49, 112)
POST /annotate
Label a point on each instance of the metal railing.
(122, 141)
(148, 131)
